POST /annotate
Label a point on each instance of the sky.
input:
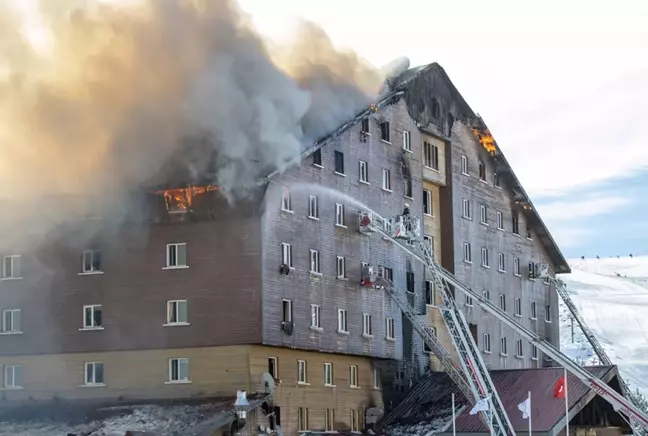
(563, 87)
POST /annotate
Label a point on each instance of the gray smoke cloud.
(114, 93)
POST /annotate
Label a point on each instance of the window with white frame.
(273, 367)
(355, 420)
(431, 156)
(342, 321)
(503, 348)
(386, 179)
(429, 242)
(486, 294)
(176, 255)
(366, 325)
(484, 258)
(313, 207)
(286, 311)
(179, 369)
(464, 165)
(316, 313)
(339, 162)
(13, 375)
(11, 321)
(377, 381)
(500, 221)
(11, 267)
(314, 262)
(302, 419)
(519, 352)
(328, 374)
(341, 267)
(407, 145)
(94, 373)
(487, 343)
(363, 172)
(517, 303)
(534, 310)
(353, 376)
(385, 132)
(339, 215)
(469, 301)
(503, 302)
(467, 213)
(501, 265)
(547, 313)
(483, 216)
(92, 316)
(286, 254)
(467, 252)
(91, 261)
(534, 352)
(302, 375)
(427, 203)
(389, 328)
(516, 266)
(177, 312)
(329, 420)
(286, 203)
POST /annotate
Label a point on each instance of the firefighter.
(406, 218)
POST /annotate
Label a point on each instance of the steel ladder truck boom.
(618, 401)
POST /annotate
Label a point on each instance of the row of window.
(92, 261)
(355, 420)
(342, 321)
(481, 171)
(499, 218)
(519, 347)
(501, 262)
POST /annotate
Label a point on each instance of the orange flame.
(179, 200)
(486, 140)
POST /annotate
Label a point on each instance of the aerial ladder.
(397, 229)
(474, 380)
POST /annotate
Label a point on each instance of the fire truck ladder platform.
(618, 401)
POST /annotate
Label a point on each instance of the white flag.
(481, 406)
(525, 408)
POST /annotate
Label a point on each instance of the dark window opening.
(365, 126)
(408, 188)
(528, 232)
(410, 281)
(496, 180)
(339, 162)
(516, 225)
(436, 112)
(482, 171)
(384, 131)
(317, 157)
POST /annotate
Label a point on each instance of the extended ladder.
(475, 383)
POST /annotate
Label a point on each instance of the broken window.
(317, 157)
(516, 224)
(408, 188)
(482, 171)
(385, 132)
(496, 180)
(365, 126)
(409, 276)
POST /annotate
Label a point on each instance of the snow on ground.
(612, 295)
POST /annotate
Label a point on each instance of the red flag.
(559, 390)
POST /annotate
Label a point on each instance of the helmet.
(406, 204)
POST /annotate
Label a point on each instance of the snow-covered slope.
(612, 295)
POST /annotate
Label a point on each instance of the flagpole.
(529, 406)
(566, 406)
(454, 430)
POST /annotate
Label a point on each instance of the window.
(516, 266)
(92, 316)
(427, 202)
(534, 311)
(313, 208)
(353, 376)
(314, 262)
(389, 328)
(355, 420)
(317, 157)
(385, 132)
(286, 254)
(431, 156)
(500, 221)
(11, 267)
(339, 162)
(366, 324)
(482, 171)
(467, 213)
(94, 373)
(408, 188)
(426, 347)
(91, 261)
(11, 321)
(531, 271)
(528, 233)
(339, 215)
(547, 313)
(503, 302)
(484, 258)
(377, 382)
(467, 252)
(519, 352)
(464, 165)
(486, 295)
(547, 280)
(517, 304)
(496, 180)
(286, 204)
(364, 126)
(177, 312)
(515, 225)
(12, 376)
(302, 419)
(329, 420)
(301, 372)
(534, 352)
(286, 311)
(342, 321)
(406, 141)
(176, 255)
(388, 274)
(483, 217)
(386, 180)
(273, 367)
(429, 242)
(501, 267)
(179, 370)
(328, 374)
(469, 301)
(363, 172)
(409, 281)
(503, 349)
(316, 313)
(487, 343)
(341, 267)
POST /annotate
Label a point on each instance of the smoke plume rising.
(113, 93)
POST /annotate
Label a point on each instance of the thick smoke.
(114, 93)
